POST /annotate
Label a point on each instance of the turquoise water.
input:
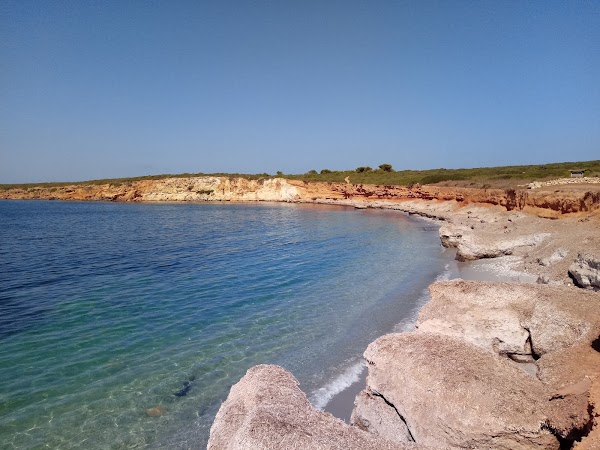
(107, 310)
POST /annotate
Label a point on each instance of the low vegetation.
(507, 176)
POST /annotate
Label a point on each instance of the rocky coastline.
(489, 365)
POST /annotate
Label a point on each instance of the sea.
(123, 326)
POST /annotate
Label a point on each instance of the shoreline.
(527, 257)
(342, 404)
(511, 245)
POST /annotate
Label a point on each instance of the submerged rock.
(156, 411)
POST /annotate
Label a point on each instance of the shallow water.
(107, 310)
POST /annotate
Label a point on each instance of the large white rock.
(453, 394)
(489, 315)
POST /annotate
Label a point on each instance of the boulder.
(267, 410)
(471, 248)
(451, 234)
(489, 315)
(512, 319)
(585, 272)
(453, 394)
(563, 326)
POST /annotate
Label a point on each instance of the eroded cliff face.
(190, 189)
(545, 203)
(541, 202)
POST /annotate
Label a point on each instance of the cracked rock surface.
(453, 384)
(457, 395)
(267, 410)
(374, 414)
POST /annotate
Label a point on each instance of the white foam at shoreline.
(322, 396)
(351, 375)
(444, 276)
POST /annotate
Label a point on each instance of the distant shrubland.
(505, 176)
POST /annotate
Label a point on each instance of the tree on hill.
(364, 169)
(386, 167)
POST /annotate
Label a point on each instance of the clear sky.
(97, 89)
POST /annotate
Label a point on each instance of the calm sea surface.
(107, 310)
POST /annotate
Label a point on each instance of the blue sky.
(97, 89)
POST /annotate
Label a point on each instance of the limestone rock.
(511, 318)
(563, 325)
(471, 248)
(555, 326)
(558, 255)
(451, 234)
(212, 188)
(457, 395)
(372, 413)
(489, 315)
(267, 410)
(585, 272)
(543, 279)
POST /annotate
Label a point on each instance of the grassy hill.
(506, 176)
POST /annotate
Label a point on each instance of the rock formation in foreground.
(491, 365)
(267, 410)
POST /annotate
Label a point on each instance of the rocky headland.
(490, 364)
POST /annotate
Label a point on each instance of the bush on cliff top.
(513, 175)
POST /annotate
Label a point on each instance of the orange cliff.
(542, 202)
